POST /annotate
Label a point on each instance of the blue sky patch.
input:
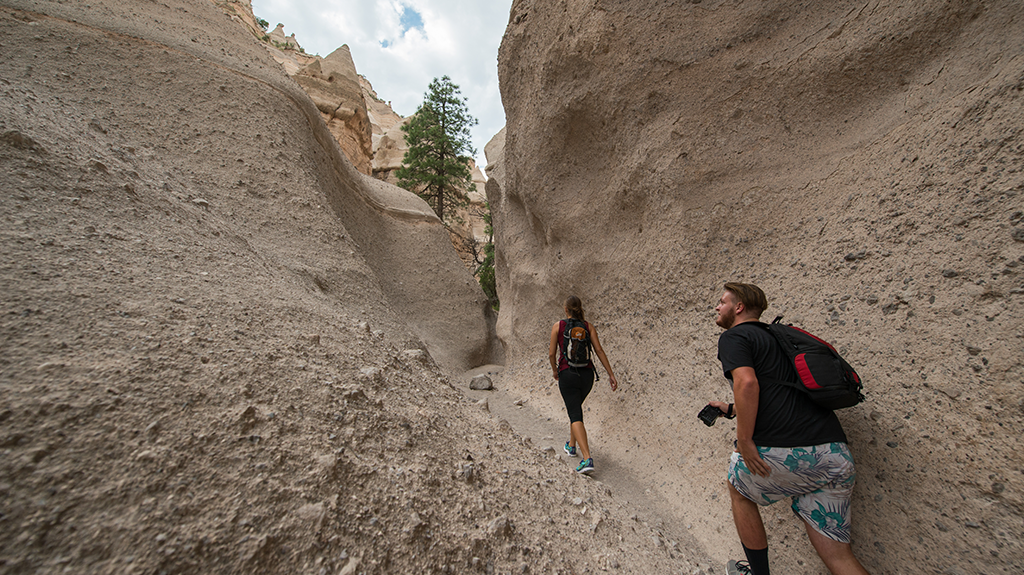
(410, 19)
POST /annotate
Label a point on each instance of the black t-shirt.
(786, 417)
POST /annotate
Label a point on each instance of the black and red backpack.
(823, 374)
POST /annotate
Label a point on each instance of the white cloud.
(458, 38)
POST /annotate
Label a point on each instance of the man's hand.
(721, 405)
(751, 458)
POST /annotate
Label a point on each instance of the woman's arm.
(601, 356)
(553, 350)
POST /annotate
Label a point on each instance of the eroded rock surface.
(841, 155)
(333, 85)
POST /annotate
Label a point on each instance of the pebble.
(499, 527)
(481, 383)
(415, 355)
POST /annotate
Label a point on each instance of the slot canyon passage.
(225, 348)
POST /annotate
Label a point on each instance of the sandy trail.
(547, 429)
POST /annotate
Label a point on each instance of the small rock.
(973, 350)
(415, 355)
(19, 140)
(351, 567)
(948, 273)
(371, 374)
(483, 405)
(1018, 235)
(499, 527)
(353, 394)
(481, 382)
(312, 338)
(248, 419)
(973, 525)
(201, 202)
(465, 472)
(892, 444)
(519, 402)
(871, 300)
(857, 255)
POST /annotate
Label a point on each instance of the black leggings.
(575, 384)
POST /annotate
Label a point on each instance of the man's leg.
(838, 557)
(748, 521)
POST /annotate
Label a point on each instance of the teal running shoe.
(570, 450)
(586, 467)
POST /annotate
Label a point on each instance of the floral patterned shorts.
(819, 478)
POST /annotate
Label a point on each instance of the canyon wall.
(862, 163)
(218, 339)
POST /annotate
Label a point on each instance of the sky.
(401, 45)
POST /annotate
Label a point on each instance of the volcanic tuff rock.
(657, 149)
(365, 126)
(333, 85)
(213, 329)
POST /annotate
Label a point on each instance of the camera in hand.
(709, 414)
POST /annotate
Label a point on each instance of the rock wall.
(222, 348)
(333, 85)
(861, 162)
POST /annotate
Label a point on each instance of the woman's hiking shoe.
(738, 568)
(570, 450)
(586, 466)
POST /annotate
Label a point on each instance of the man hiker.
(786, 446)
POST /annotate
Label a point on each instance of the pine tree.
(436, 166)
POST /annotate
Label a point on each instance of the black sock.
(758, 560)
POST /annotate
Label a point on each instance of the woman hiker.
(569, 353)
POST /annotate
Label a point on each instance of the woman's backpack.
(576, 343)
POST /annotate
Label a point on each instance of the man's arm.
(746, 392)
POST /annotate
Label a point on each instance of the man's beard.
(725, 320)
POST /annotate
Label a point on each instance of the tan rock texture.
(212, 332)
(333, 85)
(382, 117)
(863, 163)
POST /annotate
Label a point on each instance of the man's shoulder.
(745, 330)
